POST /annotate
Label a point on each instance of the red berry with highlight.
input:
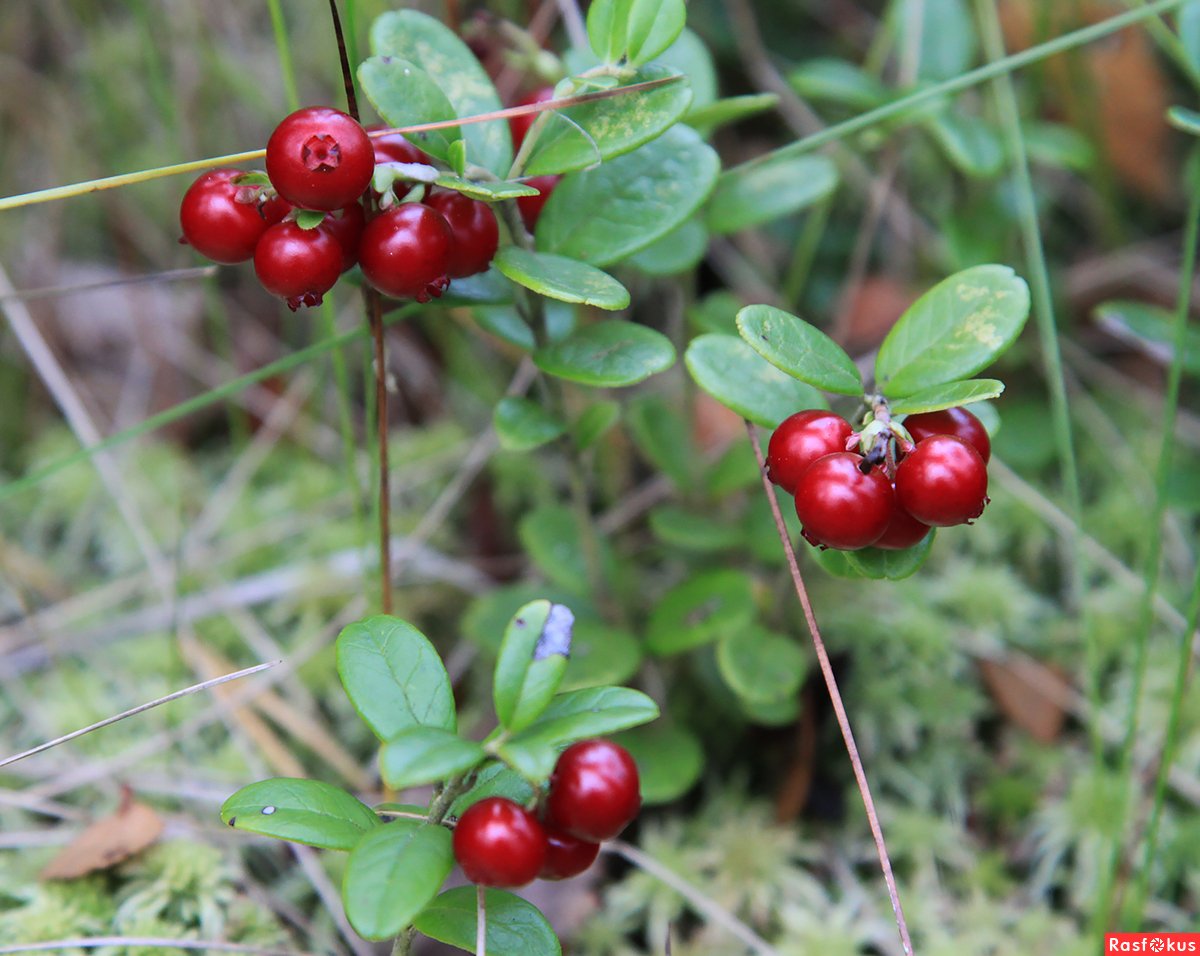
(320, 158)
(951, 421)
(531, 206)
(224, 221)
(499, 843)
(476, 232)
(567, 856)
(842, 507)
(800, 440)
(300, 265)
(594, 791)
(903, 532)
(405, 252)
(519, 125)
(346, 226)
(395, 148)
(943, 481)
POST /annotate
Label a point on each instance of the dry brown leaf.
(1030, 694)
(107, 842)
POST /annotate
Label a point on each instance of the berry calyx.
(840, 505)
(567, 856)
(902, 532)
(223, 221)
(346, 226)
(594, 791)
(951, 421)
(300, 265)
(499, 843)
(531, 206)
(405, 252)
(320, 158)
(800, 440)
(943, 481)
(519, 125)
(476, 232)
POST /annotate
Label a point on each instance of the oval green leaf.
(405, 95)
(604, 214)
(394, 677)
(303, 811)
(633, 31)
(558, 277)
(955, 329)
(393, 874)
(700, 533)
(739, 378)
(730, 109)
(946, 35)
(670, 760)
(798, 348)
(700, 610)
(678, 251)
(753, 194)
(830, 80)
(950, 395)
(594, 422)
(551, 537)
(484, 191)
(663, 436)
(515, 927)
(600, 654)
(495, 780)
(878, 564)
(969, 143)
(761, 666)
(522, 424)
(608, 354)
(425, 755)
(533, 657)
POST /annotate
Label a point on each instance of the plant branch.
(344, 59)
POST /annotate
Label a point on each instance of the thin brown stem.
(375, 314)
(344, 59)
(835, 695)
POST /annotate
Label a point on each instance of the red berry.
(840, 506)
(519, 125)
(346, 226)
(593, 791)
(951, 421)
(300, 265)
(531, 206)
(800, 440)
(566, 856)
(320, 158)
(223, 221)
(405, 252)
(476, 233)
(943, 481)
(395, 148)
(499, 843)
(903, 532)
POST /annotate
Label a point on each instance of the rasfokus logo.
(1152, 943)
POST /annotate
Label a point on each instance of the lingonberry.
(224, 221)
(519, 125)
(567, 856)
(320, 158)
(951, 421)
(943, 481)
(840, 505)
(346, 226)
(476, 233)
(593, 791)
(903, 532)
(800, 440)
(499, 843)
(405, 252)
(300, 265)
(531, 206)
(395, 148)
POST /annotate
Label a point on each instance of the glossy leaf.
(495, 780)
(1184, 119)
(604, 214)
(798, 348)
(730, 109)
(830, 80)
(585, 134)
(608, 354)
(748, 196)
(394, 677)
(633, 31)
(558, 277)
(485, 288)
(487, 616)
(950, 395)
(426, 755)
(522, 424)
(393, 874)
(958, 327)
(878, 564)
(700, 610)
(594, 423)
(739, 378)
(761, 666)
(670, 759)
(405, 95)
(690, 56)
(515, 927)
(485, 191)
(533, 657)
(969, 143)
(678, 251)
(600, 654)
(550, 536)
(303, 811)
(434, 47)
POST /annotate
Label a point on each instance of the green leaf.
(947, 36)
(405, 95)
(309, 218)
(739, 378)
(700, 533)
(550, 536)
(394, 676)
(393, 874)
(560, 278)
(522, 424)
(594, 422)
(1150, 328)
(678, 251)
(878, 564)
(798, 348)
(1057, 145)
(690, 55)
(830, 80)
(425, 755)
(485, 288)
(608, 354)
(950, 395)
(731, 109)
(515, 927)
(533, 657)
(303, 811)
(716, 312)
(604, 214)
(751, 195)
(582, 135)
(1184, 119)
(484, 191)
(670, 759)
(1188, 25)
(663, 436)
(633, 31)
(439, 52)
(495, 780)
(969, 143)
(955, 329)
(600, 654)
(836, 563)
(702, 609)
(487, 616)
(761, 666)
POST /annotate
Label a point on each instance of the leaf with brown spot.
(107, 842)
(1030, 694)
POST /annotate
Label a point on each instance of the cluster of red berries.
(847, 501)
(593, 795)
(322, 160)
